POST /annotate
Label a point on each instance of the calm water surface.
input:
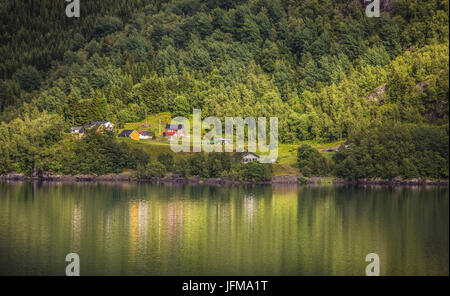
(144, 229)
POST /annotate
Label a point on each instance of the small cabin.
(106, 125)
(76, 129)
(144, 135)
(220, 140)
(249, 157)
(129, 134)
(174, 130)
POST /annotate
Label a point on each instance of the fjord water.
(145, 229)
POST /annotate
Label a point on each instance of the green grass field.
(152, 147)
(156, 123)
(287, 153)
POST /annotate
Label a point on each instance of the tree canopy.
(322, 67)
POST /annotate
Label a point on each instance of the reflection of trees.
(165, 229)
(139, 230)
(76, 228)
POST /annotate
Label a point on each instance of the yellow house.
(129, 134)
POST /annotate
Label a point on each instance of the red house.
(174, 130)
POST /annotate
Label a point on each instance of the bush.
(155, 169)
(255, 171)
(311, 162)
(167, 160)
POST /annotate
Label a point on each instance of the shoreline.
(177, 179)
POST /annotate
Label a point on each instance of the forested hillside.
(324, 68)
(37, 32)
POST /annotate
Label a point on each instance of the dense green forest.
(399, 150)
(325, 69)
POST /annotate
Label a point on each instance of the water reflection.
(143, 229)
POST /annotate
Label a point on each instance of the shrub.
(155, 169)
(311, 162)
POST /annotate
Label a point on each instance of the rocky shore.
(393, 182)
(177, 179)
(68, 178)
(171, 178)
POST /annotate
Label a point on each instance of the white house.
(143, 135)
(249, 157)
(108, 125)
(75, 129)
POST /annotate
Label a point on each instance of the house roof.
(238, 156)
(174, 126)
(244, 154)
(126, 133)
(93, 123)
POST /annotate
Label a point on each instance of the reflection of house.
(76, 233)
(249, 206)
(138, 230)
(174, 220)
(144, 135)
(249, 157)
(174, 130)
(129, 134)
